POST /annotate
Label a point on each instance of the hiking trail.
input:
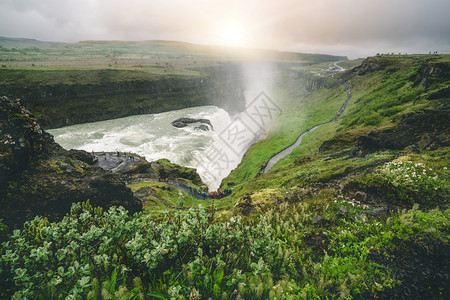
(285, 152)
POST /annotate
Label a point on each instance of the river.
(153, 137)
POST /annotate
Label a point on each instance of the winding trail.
(283, 153)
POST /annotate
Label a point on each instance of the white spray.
(234, 137)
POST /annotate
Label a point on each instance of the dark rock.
(430, 72)
(360, 196)
(429, 130)
(414, 150)
(425, 141)
(38, 177)
(371, 64)
(441, 94)
(179, 124)
(361, 218)
(202, 128)
(303, 159)
(81, 155)
(302, 194)
(165, 169)
(342, 212)
(333, 144)
(378, 212)
(183, 122)
(421, 265)
(350, 153)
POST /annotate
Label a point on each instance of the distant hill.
(171, 49)
(12, 42)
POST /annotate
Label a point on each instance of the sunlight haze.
(348, 27)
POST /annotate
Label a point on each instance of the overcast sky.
(355, 28)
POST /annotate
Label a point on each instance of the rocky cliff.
(73, 99)
(38, 177)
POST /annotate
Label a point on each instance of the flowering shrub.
(52, 260)
(409, 183)
(279, 254)
(413, 175)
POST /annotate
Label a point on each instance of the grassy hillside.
(359, 210)
(26, 53)
(379, 100)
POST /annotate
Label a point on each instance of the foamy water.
(213, 153)
(153, 137)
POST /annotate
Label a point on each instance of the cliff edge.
(38, 177)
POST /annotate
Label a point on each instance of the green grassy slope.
(339, 223)
(379, 100)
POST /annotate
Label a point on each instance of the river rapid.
(153, 137)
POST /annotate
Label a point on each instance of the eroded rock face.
(38, 177)
(165, 169)
(72, 103)
(430, 73)
(428, 130)
(369, 65)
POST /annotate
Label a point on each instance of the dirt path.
(275, 158)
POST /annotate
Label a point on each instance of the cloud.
(299, 25)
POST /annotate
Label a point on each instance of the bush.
(279, 254)
(65, 259)
(406, 183)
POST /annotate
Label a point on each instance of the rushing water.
(213, 153)
(153, 137)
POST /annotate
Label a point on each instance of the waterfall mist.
(244, 128)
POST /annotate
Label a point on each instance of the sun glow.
(232, 34)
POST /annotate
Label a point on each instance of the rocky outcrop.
(165, 169)
(371, 64)
(183, 122)
(38, 177)
(427, 130)
(430, 73)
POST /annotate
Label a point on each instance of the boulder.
(202, 128)
(378, 212)
(183, 122)
(360, 196)
(342, 212)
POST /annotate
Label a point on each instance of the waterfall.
(213, 153)
(233, 136)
